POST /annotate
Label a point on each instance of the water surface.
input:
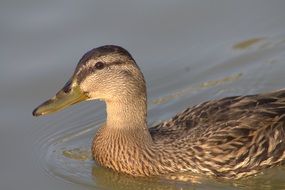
(189, 52)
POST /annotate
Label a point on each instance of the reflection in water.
(189, 89)
(77, 154)
(247, 43)
(269, 179)
(113, 180)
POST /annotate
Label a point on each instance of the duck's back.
(239, 134)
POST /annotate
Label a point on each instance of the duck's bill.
(62, 100)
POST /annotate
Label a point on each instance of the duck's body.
(232, 137)
(229, 138)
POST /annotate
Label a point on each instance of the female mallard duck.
(230, 138)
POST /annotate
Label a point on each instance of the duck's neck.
(127, 114)
(127, 117)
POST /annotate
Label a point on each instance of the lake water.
(189, 52)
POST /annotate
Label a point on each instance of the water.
(189, 52)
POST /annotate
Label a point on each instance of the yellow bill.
(69, 95)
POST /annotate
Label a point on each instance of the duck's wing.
(230, 137)
(239, 115)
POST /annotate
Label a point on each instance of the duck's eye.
(99, 65)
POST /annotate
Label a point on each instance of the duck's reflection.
(108, 179)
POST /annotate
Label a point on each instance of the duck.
(229, 138)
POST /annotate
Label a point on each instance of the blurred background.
(189, 51)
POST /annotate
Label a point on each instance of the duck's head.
(107, 73)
